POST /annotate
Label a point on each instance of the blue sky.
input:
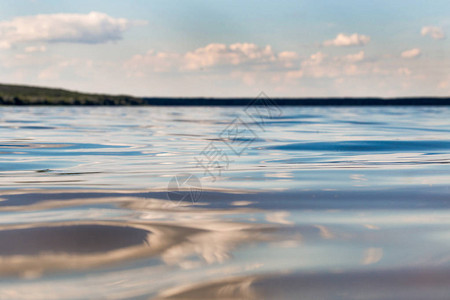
(229, 48)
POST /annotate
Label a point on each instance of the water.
(310, 203)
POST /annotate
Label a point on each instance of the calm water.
(306, 203)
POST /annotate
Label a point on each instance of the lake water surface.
(220, 203)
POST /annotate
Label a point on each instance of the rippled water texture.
(306, 203)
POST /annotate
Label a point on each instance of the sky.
(229, 48)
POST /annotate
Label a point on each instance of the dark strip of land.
(28, 95)
(297, 101)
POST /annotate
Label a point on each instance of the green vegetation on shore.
(29, 95)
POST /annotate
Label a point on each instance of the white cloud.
(222, 55)
(315, 59)
(91, 28)
(435, 32)
(317, 66)
(254, 65)
(234, 57)
(355, 57)
(343, 40)
(413, 53)
(320, 65)
(32, 49)
(288, 58)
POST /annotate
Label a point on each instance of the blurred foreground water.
(309, 203)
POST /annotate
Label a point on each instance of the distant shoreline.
(298, 101)
(238, 102)
(15, 95)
